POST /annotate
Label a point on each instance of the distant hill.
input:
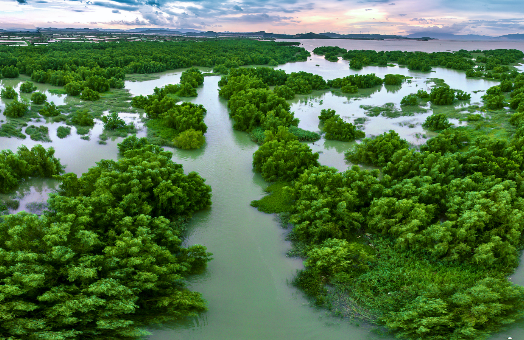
(450, 36)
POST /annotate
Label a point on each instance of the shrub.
(349, 89)
(442, 95)
(130, 143)
(63, 131)
(189, 139)
(326, 114)
(377, 151)
(27, 87)
(284, 92)
(461, 95)
(437, 122)
(423, 94)
(393, 79)
(82, 118)
(74, 88)
(113, 122)
(337, 129)
(90, 95)
(49, 110)
(410, 99)
(16, 109)
(38, 98)
(10, 71)
(9, 93)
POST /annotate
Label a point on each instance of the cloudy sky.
(486, 17)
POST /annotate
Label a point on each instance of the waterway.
(247, 284)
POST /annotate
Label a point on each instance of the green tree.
(377, 151)
(9, 92)
(189, 139)
(38, 98)
(27, 87)
(116, 268)
(283, 159)
(337, 129)
(437, 122)
(16, 109)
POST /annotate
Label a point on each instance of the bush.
(9, 93)
(337, 129)
(410, 99)
(189, 139)
(130, 143)
(90, 95)
(10, 71)
(377, 151)
(82, 118)
(338, 260)
(63, 131)
(113, 122)
(442, 95)
(449, 140)
(49, 110)
(393, 79)
(38, 133)
(186, 116)
(38, 98)
(461, 95)
(326, 114)
(349, 89)
(284, 92)
(282, 157)
(16, 109)
(27, 87)
(74, 88)
(437, 122)
(423, 94)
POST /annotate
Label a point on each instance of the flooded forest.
(241, 189)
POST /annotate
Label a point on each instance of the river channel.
(247, 284)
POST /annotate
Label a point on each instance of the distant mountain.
(450, 36)
(513, 36)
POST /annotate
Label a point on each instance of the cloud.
(116, 6)
(392, 4)
(116, 11)
(238, 8)
(135, 22)
(22, 2)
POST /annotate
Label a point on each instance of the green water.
(247, 285)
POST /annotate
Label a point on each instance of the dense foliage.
(16, 109)
(49, 110)
(436, 122)
(27, 87)
(190, 139)
(377, 151)
(8, 92)
(25, 163)
(38, 98)
(338, 129)
(110, 241)
(283, 157)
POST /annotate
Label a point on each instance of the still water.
(247, 284)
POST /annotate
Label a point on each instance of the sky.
(403, 17)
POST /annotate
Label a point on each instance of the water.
(247, 284)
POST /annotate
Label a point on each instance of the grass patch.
(390, 111)
(11, 130)
(57, 91)
(38, 133)
(63, 131)
(159, 134)
(82, 130)
(276, 201)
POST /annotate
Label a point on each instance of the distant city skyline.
(402, 17)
